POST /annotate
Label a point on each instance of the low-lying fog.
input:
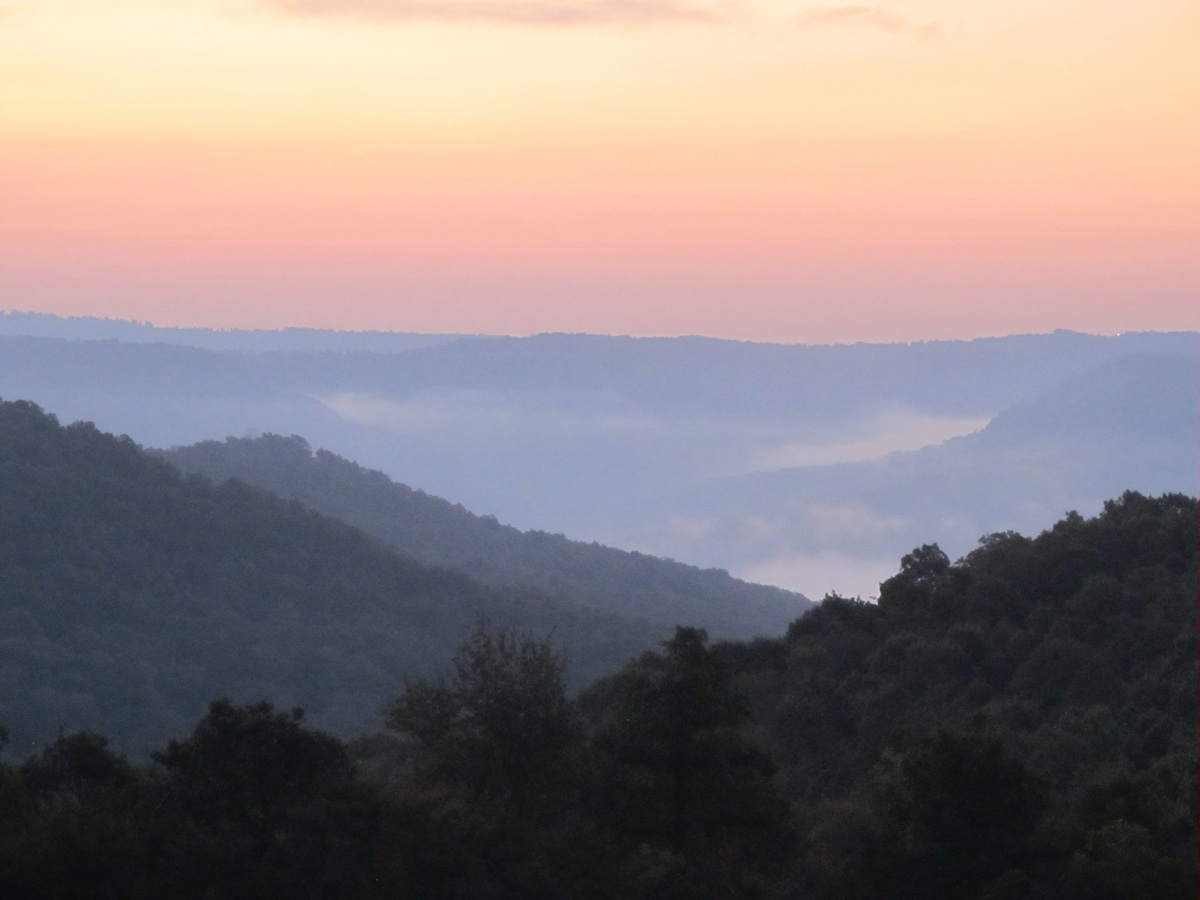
(593, 469)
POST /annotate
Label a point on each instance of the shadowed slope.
(440, 533)
(131, 595)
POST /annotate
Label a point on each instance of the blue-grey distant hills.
(809, 467)
(1133, 420)
(661, 592)
(94, 328)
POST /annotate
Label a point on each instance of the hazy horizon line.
(8, 314)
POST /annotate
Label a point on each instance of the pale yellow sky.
(195, 67)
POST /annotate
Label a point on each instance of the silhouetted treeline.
(1020, 724)
(492, 785)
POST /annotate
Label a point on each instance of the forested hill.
(131, 596)
(1021, 723)
(440, 533)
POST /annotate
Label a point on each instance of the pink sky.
(761, 170)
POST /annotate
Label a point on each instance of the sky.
(776, 170)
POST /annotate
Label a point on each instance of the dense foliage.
(131, 595)
(1020, 724)
(439, 533)
(493, 786)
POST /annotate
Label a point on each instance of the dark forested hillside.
(440, 533)
(1019, 725)
(131, 595)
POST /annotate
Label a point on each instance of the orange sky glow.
(753, 169)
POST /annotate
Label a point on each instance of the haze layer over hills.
(661, 592)
(811, 467)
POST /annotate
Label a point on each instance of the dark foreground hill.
(437, 532)
(131, 595)
(1019, 725)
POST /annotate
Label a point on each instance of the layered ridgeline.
(131, 595)
(440, 533)
(807, 467)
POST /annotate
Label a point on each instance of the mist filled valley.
(335, 614)
(808, 467)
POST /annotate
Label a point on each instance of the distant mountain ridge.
(437, 532)
(93, 328)
(678, 373)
